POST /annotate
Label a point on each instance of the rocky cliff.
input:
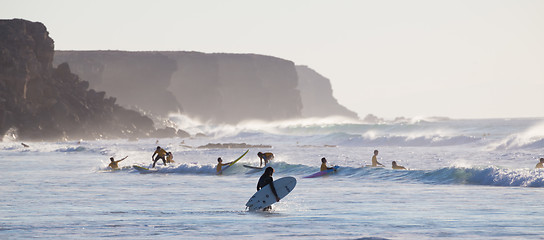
(317, 97)
(45, 103)
(219, 88)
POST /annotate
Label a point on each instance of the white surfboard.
(264, 197)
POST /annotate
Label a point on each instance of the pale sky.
(459, 59)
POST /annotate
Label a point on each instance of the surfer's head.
(111, 159)
(219, 160)
(542, 160)
(269, 171)
(323, 160)
(260, 154)
(158, 147)
(394, 163)
(375, 152)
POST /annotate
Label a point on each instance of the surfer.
(266, 179)
(266, 157)
(220, 165)
(375, 162)
(114, 164)
(395, 166)
(24, 145)
(324, 165)
(540, 164)
(169, 157)
(161, 154)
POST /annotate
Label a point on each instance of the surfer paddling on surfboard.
(266, 179)
(220, 165)
(114, 164)
(266, 157)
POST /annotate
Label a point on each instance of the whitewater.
(466, 179)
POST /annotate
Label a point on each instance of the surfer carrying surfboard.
(266, 157)
(220, 165)
(266, 179)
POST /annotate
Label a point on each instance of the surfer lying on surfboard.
(220, 165)
(266, 179)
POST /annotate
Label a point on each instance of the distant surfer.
(375, 162)
(540, 164)
(220, 165)
(161, 154)
(395, 166)
(115, 164)
(169, 157)
(266, 179)
(266, 157)
(324, 165)
(24, 145)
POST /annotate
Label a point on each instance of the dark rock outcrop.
(317, 97)
(46, 103)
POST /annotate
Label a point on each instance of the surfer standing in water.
(220, 165)
(266, 157)
(161, 154)
(324, 165)
(266, 179)
(114, 164)
(540, 164)
(375, 162)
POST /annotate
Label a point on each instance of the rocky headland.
(42, 102)
(211, 87)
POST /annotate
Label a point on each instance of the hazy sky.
(460, 59)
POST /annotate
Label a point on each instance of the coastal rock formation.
(317, 97)
(45, 103)
(139, 80)
(234, 87)
(216, 88)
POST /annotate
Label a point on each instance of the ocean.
(466, 179)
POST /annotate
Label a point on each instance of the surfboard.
(253, 167)
(232, 163)
(144, 169)
(264, 197)
(370, 166)
(322, 173)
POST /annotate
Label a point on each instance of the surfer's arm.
(274, 191)
(123, 158)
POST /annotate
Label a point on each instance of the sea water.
(466, 179)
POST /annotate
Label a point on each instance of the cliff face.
(220, 88)
(317, 97)
(234, 87)
(46, 103)
(217, 88)
(136, 79)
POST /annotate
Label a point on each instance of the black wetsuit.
(265, 180)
